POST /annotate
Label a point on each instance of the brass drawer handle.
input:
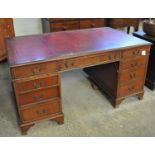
(38, 112)
(64, 28)
(66, 65)
(39, 98)
(36, 71)
(132, 76)
(35, 86)
(109, 57)
(134, 65)
(93, 25)
(59, 67)
(72, 64)
(39, 85)
(69, 64)
(131, 89)
(42, 112)
(136, 52)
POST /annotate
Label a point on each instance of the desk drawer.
(26, 85)
(110, 56)
(38, 95)
(129, 75)
(40, 111)
(135, 52)
(88, 60)
(33, 70)
(91, 23)
(130, 88)
(63, 26)
(134, 64)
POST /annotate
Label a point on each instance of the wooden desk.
(150, 77)
(37, 61)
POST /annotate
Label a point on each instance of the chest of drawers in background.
(124, 22)
(120, 80)
(64, 24)
(6, 31)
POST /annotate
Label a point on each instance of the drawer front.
(63, 26)
(39, 95)
(110, 56)
(134, 64)
(22, 86)
(88, 60)
(33, 70)
(135, 52)
(91, 23)
(116, 23)
(128, 75)
(131, 88)
(40, 111)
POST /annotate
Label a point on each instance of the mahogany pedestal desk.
(150, 76)
(36, 63)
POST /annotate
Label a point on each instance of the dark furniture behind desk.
(150, 78)
(123, 22)
(65, 24)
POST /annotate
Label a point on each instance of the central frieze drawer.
(42, 82)
(40, 111)
(39, 95)
(85, 61)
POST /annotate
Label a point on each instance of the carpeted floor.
(87, 112)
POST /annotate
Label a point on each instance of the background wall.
(27, 26)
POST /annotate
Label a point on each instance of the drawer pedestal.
(119, 80)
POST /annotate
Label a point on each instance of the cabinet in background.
(65, 24)
(6, 31)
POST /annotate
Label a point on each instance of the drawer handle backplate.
(134, 65)
(132, 76)
(39, 98)
(41, 112)
(39, 85)
(131, 89)
(36, 71)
